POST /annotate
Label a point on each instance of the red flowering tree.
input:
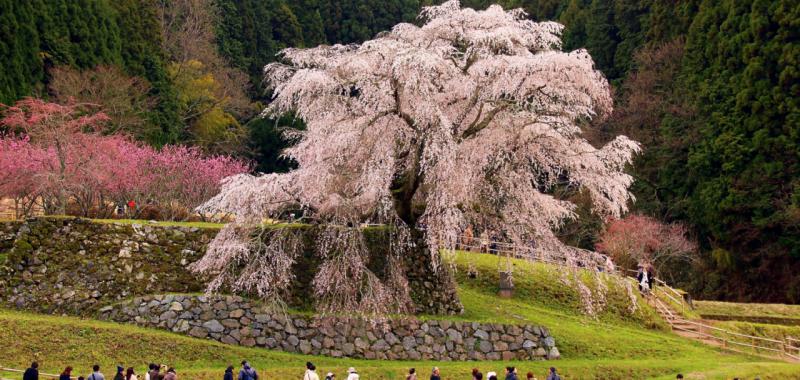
(21, 164)
(639, 239)
(57, 127)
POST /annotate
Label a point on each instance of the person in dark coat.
(511, 373)
(651, 278)
(120, 373)
(66, 375)
(228, 373)
(247, 372)
(154, 373)
(639, 276)
(32, 373)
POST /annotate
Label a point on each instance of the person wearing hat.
(491, 375)
(311, 372)
(352, 374)
(330, 376)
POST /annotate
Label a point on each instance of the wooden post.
(506, 281)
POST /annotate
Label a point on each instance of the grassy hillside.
(610, 346)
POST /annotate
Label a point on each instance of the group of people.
(510, 374)
(646, 278)
(155, 372)
(247, 372)
(311, 373)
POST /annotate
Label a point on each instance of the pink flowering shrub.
(58, 161)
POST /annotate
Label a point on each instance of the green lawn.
(612, 345)
(755, 312)
(59, 341)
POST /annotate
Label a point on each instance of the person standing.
(553, 374)
(651, 277)
(639, 276)
(66, 375)
(153, 374)
(130, 374)
(352, 374)
(171, 374)
(32, 373)
(412, 374)
(644, 282)
(96, 374)
(247, 372)
(119, 375)
(511, 373)
(228, 373)
(435, 374)
(311, 372)
(476, 374)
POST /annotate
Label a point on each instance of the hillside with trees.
(709, 88)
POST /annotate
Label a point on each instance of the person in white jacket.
(352, 374)
(311, 373)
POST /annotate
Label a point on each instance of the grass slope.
(611, 346)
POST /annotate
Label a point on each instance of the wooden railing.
(41, 374)
(729, 340)
(478, 244)
(734, 341)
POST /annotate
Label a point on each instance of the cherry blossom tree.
(471, 119)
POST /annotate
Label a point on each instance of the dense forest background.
(710, 88)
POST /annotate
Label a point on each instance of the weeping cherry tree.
(471, 119)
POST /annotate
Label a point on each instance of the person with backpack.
(352, 374)
(96, 374)
(553, 375)
(32, 373)
(247, 373)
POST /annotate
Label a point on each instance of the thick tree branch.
(476, 126)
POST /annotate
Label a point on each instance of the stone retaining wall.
(8, 233)
(76, 266)
(235, 321)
